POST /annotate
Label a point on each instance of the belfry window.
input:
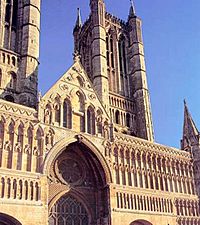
(14, 15)
(67, 114)
(110, 57)
(8, 12)
(110, 51)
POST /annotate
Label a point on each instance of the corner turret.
(190, 132)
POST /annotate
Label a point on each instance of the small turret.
(190, 131)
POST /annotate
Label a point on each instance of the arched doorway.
(8, 220)
(86, 199)
(141, 222)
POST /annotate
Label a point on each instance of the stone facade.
(83, 153)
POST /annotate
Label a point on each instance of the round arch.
(141, 222)
(61, 146)
(8, 220)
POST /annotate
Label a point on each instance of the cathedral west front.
(84, 153)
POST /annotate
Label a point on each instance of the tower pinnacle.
(190, 131)
(132, 9)
(78, 24)
(189, 127)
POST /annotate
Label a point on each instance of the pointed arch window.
(57, 113)
(70, 210)
(110, 50)
(67, 114)
(90, 120)
(81, 102)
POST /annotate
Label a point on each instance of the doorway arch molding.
(8, 219)
(59, 147)
(141, 222)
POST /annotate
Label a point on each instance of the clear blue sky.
(171, 31)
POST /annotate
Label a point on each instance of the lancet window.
(90, 120)
(111, 61)
(123, 65)
(67, 114)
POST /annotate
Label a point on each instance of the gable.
(74, 86)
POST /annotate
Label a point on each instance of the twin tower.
(19, 50)
(111, 53)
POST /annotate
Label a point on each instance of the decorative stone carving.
(63, 87)
(92, 97)
(8, 146)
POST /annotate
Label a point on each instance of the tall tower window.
(14, 15)
(8, 11)
(110, 47)
(123, 65)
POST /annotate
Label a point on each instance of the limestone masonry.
(84, 153)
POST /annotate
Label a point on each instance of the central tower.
(19, 50)
(112, 54)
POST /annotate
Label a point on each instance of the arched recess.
(8, 220)
(81, 168)
(61, 146)
(141, 222)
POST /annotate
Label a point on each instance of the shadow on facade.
(19, 90)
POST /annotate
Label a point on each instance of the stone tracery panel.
(68, 211)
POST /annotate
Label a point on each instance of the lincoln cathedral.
(84, 153)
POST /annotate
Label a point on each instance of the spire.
(189, 127)
(78, 24)
(132, 10)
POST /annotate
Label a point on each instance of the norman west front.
(84, 153)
